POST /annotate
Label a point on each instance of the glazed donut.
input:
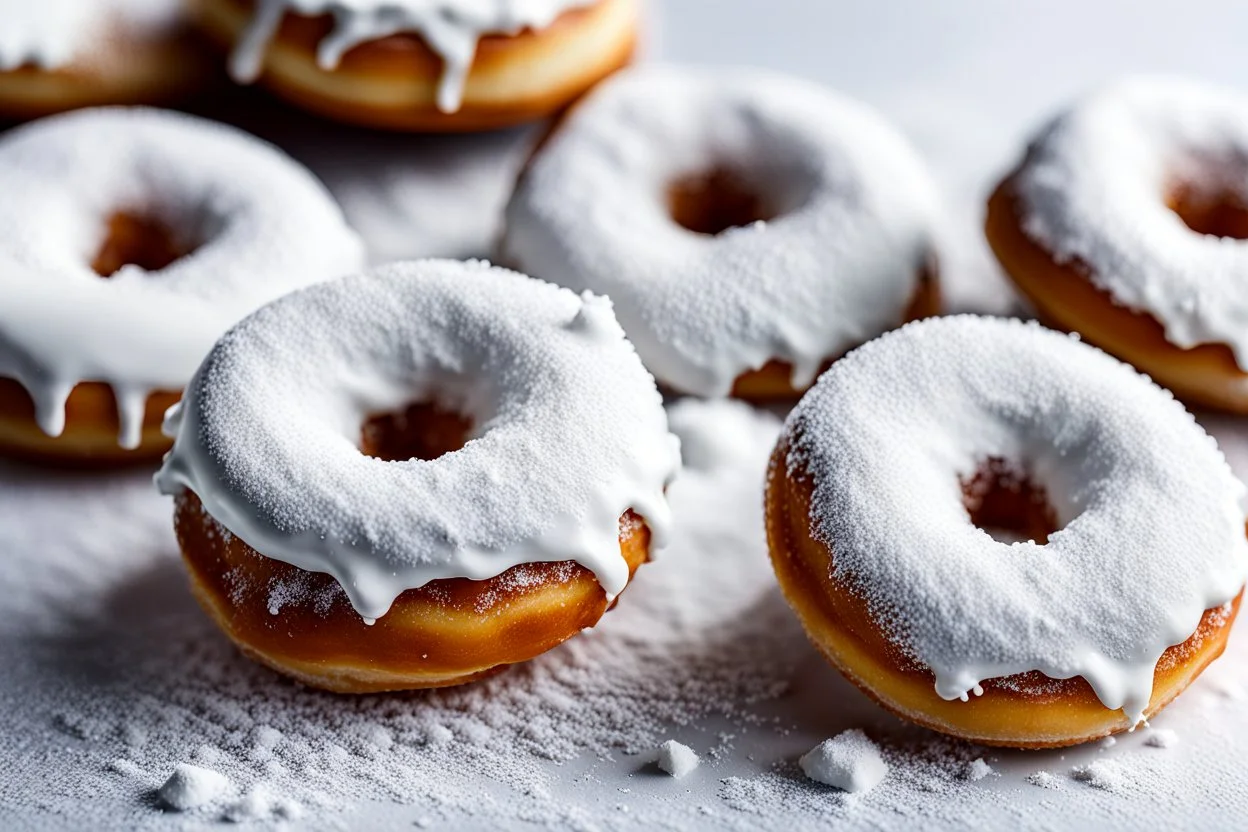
(758, 226)
(476, 461)
(193, 224)
(436, 65)
(61, 55)
(1125, 222)
(1003, 534)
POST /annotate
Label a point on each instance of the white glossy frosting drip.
(569, 430)
(263, 225)
(1151, 531)
(839, 265)
(451, 28)
(1094, 190)
(50, 34)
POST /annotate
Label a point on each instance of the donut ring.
(194, 224)
(496, 516)
(756, 228)
(446, 69)
(1124, 592)
(61, 56)
(1118, 225)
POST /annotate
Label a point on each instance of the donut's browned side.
(392, 82)
(445, 633)
(1065, 299)
(1022, 711)
(91, 428)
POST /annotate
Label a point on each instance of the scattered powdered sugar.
(1161, 738)
(677, 759)
(1107, 775)
(840, 263)
(568, 431)
(190, 787)
(1044, 779)
(978, 769)
(1095, 189)
(849, 761)
(890, 431)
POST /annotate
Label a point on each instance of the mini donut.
(57, 56)
(1127, 221)
(1004, 534)
(432, 65)
(414, 477)
(757, 226)
(193, 225)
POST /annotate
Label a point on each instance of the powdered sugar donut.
(757, 225)
(193, 223)
(60, 54)
(1127, 222)
(478, 459)
(426, 64)
(1004, 534)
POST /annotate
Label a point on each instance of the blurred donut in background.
(62, 54)
(447, 65)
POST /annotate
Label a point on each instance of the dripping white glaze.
(1094, 189)
(451, 28)
(568, 434)
(838, 265)
(50, 34)
(1152, 533)
(261, 224)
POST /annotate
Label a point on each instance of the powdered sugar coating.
(260, 224)
(451, 28)
(837, 266)
(51, 34)
(569, 430)
(1151, 532)
(1094, 190)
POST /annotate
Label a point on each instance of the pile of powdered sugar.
(113, 678)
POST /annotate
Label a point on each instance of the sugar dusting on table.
(114, 678)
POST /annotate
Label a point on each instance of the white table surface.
(966, 81)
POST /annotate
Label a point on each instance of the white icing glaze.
(1093, 189)
(837, 267)
(569, 430)
(50, 34)
(1151, 536)
(451, 28)
(264, 226)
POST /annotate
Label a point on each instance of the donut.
(1126, 222)
(130, 241)
(431, 65)
(758, 226)
(1004, 534)
(57, 56)
(417, 476)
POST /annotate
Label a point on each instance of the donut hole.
(136, 240)
(1005, 501)
(712, 202)
(419, 431)
(1217, 211)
